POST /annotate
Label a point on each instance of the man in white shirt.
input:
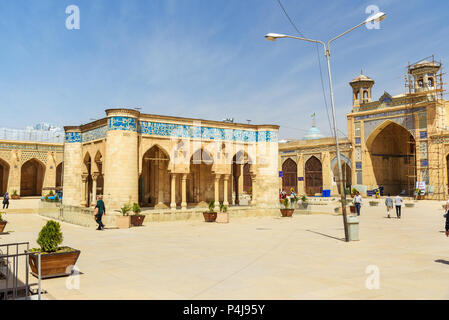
(398, 204)
(358, 202)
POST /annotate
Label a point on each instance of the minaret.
(361, 89)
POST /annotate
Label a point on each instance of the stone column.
(253, 183)
(225, 190)
(84, 190)
(216, 190)
(160, 185)
(184, 192)
(94, 188)
(173, 192)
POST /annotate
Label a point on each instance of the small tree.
(286, 203)
(50, 237)
(223, 208)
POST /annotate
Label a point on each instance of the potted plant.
(304, 202)
(211, 215)
(2, 223)
(15, 195)
(287, 211)
(137, 218)
(124, 221)
(55, 260)
(223, 215)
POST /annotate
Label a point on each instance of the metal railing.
(12, 287)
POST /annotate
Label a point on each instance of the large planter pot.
(287, 212)
(210, 216)
(223, 217)
(54, 264)
(2, 225)
(15, 197)
(123, 222)
(137, 220)
(352, 209)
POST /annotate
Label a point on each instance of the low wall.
(84, 216)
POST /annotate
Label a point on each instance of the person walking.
(446, 215)
(398, 204)
(357, 202)
(389, 204)
(101, 210)
(6, 200)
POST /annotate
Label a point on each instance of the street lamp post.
(272, 37)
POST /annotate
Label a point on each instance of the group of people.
(397, 201)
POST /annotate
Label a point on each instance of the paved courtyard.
(256, 258)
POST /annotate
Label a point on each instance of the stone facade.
(166, 162)
(30, 168)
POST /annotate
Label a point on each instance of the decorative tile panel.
(122, 123)
(423, 134)
(207, 133)
(95, 134)
(388, 114)
(72, 137)
(405, 121)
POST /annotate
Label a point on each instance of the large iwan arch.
(32, 178)
(392, 149)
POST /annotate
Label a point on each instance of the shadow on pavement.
(326, 235)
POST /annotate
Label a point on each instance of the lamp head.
(274, 36)
(378, 17)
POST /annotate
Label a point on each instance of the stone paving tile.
(256, 258)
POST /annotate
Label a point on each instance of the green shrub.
(304, 198)
(125, 209)
(1, 219)
(136, 208)
(50, 237)
(14, 193)
(286, 203)
(223, 208)
(211, 205)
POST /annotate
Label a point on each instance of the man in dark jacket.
(101, 211)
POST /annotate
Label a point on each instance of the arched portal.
(32, 178)
(289, 176)
(314, 176)
(4, 174)
(58, 182)
(241, 175)
(200, 182)
(99, 172)
(87, 171)
(393, 156)
(154, 185)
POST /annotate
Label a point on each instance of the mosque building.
(398, 143)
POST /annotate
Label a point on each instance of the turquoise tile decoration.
(172, 130)
(95, 134)
(72, 137)
(122, 123)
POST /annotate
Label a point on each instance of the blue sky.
(204, 58)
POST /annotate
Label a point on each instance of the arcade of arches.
(30, 169)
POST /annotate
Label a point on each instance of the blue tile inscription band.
(172, 130)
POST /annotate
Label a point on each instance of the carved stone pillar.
(94, 188)
(184, 192)
(216, 190)
(173, 192)
(85, 189)
(225, 190)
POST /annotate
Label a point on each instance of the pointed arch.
(32, 174)
(4, 176)
(379, 129)
(313, 176)
(289, 176)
